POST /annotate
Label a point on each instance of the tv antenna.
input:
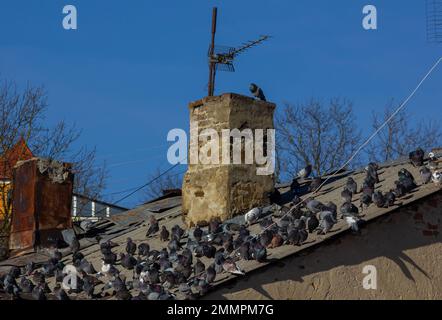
(434, 21)
(221, 57)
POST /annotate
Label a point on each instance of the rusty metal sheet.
(41, 206)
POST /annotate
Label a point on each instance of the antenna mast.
(211, 52)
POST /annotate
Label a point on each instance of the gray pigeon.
(425, 175)
(257, 92)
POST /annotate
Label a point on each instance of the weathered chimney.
(220, 190)
(41, 206)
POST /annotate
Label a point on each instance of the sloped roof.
(20, 151)
(133, 223)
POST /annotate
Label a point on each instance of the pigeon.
(326, 222)
(197, 234)
(199, 267)
(153, 227)
(229, 265)
(210, 274)
(26, 285)
(314, 205)
(312, 223)
(123, 294)
(351, 185)
(372, 173)
(38, 292)
(353, 222)
(379, 199)
(75, 245)
(390, 198)
(259, 252)
(131, 247)
(346, 195)
(399, 189)
(86, 266)
(252, 216)
(365, 201)
(277, 241)
(60, 294)
(257, 92)
(143, 249)
(128, 261)
(164, 234)
(425, 175)
(407, 179)
(244, 251)
(177, 232)
(417, 157)
(110, 258)
(432, 161)
(108, 269)
(349, 208)
(437, 178)
(305, 172)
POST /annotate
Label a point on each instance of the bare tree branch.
(322, 135)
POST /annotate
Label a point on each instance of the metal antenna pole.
(211, 85)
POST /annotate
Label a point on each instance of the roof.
(20, 151)
(133, 223)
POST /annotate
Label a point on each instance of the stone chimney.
(227, 188)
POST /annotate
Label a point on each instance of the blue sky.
(127, 74)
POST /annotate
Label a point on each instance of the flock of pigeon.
(178, 268)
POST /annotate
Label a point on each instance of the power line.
(143, 186)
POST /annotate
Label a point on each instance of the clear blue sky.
(126, 75)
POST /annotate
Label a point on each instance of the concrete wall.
(405, 247)
(223, 190)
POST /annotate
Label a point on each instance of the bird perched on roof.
(372, 172)
(164, 234)
(75, 245)
(390, 198)
(229, 265)
(425, 175)
(60, 294)
(379, 199)
(437, 178)
(131, 247)
(304, 173)
(346, 195)
(406, 179)
(312, 222)
(365, 201)
(153, 227)
(198, 233)
(128, 261)
(143, 249)
(314, 206)
(351, 185)
(432, 161)
(326, 222)
(417, 157)
(252, 216)
(399, 189)
(257, 92)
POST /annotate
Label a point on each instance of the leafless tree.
(323, 135)
(401, 135)
(170, 180)
(22, 115)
